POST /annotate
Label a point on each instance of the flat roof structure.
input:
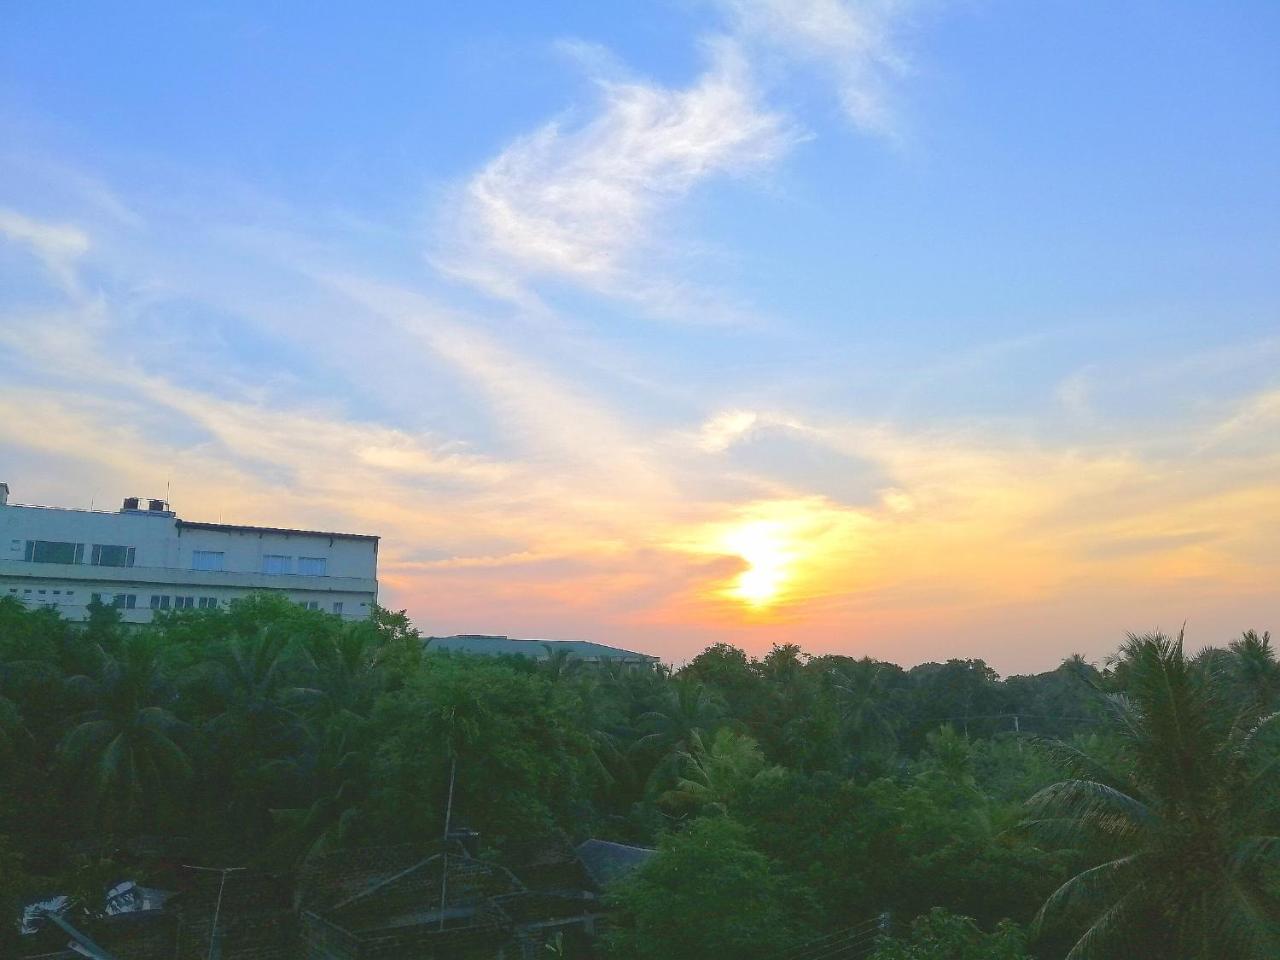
(143, 559)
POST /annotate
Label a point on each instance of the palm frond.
(1090, 806)
(1084, 888)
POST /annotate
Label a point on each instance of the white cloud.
(724, 429)
(59, 246)
(850, 40)
(579, 202)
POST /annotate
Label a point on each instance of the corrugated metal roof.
(496, 646)
(606, 861)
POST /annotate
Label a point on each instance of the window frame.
(33, 547)
(95, 555)
(218, 566)
(322, 563)
(286, 565)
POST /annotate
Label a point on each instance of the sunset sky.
(911, 329)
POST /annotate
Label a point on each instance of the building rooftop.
(606, 861)
(288, 531)
(135, 507)
(498, 646)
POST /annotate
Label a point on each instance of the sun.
(763, 545)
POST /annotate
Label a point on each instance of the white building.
(143, 558)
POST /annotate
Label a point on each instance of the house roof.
(607, 862)
(497, 646)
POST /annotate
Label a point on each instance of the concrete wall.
(163, 559)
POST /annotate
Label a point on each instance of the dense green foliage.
(1129, 811)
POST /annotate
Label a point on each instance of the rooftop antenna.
(213, 931)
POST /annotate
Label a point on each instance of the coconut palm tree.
(1256, 669)
(252, 683)
(861, 697)
(347, 670)
(713, 774)
(560, 664)
(335, 778)
(688, 708)
(1185, 831)
(12, 732)
(255, 679)
(124, 752)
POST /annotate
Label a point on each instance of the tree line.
(1130, 809)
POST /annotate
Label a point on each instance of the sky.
(904, 328)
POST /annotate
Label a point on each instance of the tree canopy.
(1120, 810)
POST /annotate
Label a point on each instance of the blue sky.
(910, 328)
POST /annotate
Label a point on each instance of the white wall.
(163, 562)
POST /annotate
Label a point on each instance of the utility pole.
(448, 818)
(213, 930)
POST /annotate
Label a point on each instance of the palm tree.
(335, 774)
(12, 732)
(348, 672)
(1256, 669)
(713, 775)
(255, 724)
(124, 752)
(861, 698)
(688, 708)
(1186, 829)
(254, 677)
(560, 664)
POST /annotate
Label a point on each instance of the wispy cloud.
(850, 41)
(586, 513)
(57, 245)
(580, 201)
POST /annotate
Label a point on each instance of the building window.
(207, 559)
(184, 603)
(275, 564)
(54, 551)
(208, 603)
(121, 601)
(312, 566)
(309, 604)
(337, 606)
(159, 602)
(109, 555)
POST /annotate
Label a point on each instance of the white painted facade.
(143, 558)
